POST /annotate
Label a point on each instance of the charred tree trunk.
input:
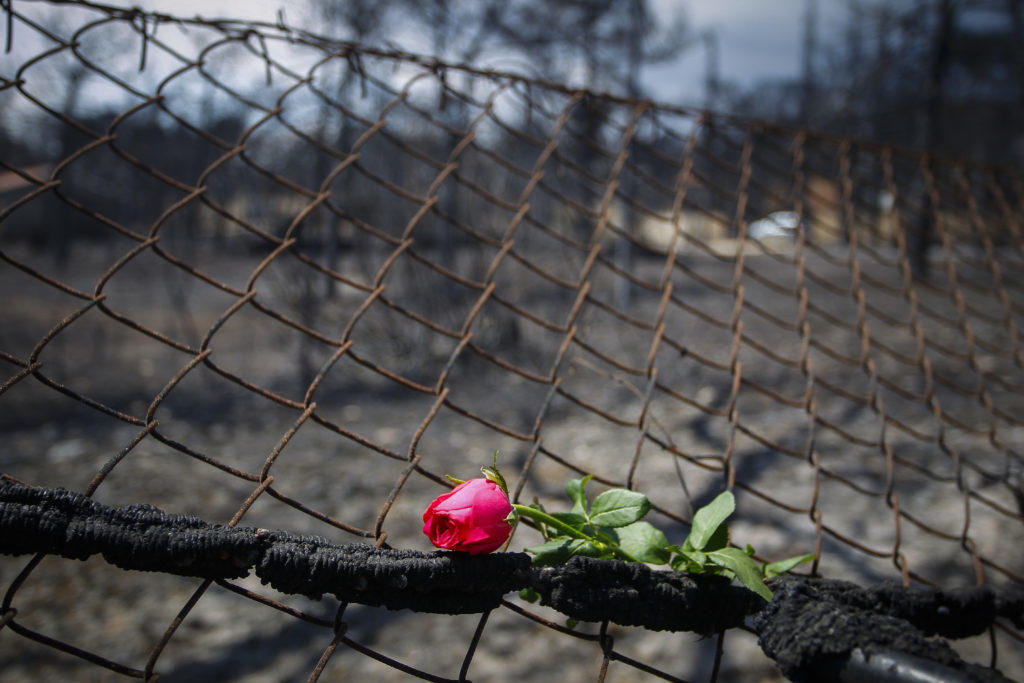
(934, 103)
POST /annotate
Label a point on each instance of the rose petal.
(469, 518)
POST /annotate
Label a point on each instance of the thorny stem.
(544, 518)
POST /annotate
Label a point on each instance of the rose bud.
(473, 517)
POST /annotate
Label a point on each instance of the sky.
(758, 39)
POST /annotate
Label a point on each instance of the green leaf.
(494, 475)
(618, 507)
(644, 541)
(552, 552)
(529, 595)
(719, 539)
(782, 566)
(745, 569)
(574, 520)
(560, 550)
(571, 623)
(574, 489)
(707, 520)
(696, 557)
(589, 549)
(682, 563)
(686, 559)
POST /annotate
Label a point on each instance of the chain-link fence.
(261, 276)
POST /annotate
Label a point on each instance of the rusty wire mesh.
(300, 298)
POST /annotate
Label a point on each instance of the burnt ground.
(954, 485)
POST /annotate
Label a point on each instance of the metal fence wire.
(269, 278)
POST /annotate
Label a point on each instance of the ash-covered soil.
(878, 455)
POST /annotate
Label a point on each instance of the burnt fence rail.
(812, 625)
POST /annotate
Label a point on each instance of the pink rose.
(470, 518)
